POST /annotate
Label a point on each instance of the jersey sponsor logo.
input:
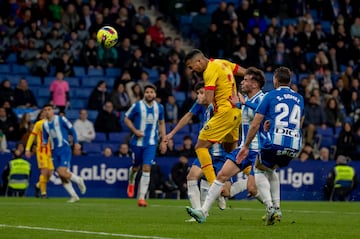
(296, 179)
(206, 127)
(288, 152)
(287, 132)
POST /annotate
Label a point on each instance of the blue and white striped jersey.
(248, 113)
(284, 108)
(146, 119)
(57, 131)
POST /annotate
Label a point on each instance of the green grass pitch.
(165, 219)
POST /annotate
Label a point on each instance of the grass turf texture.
(163, 219)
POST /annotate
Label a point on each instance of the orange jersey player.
(43, 156)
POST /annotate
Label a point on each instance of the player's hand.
(266, 125)
(163, 147)
(241, 98)
(77, 146)
(169, 136)
(139, 133)
(243, 153)
(234, 99)
(27, 154)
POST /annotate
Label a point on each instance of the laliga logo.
(96, 173)
(295, 179)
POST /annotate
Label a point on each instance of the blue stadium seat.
(79, 71)
(309, 56)
(327, 141)
(11, 58)
(77, 104)
(185, 23)
(95, 72)
(83, 93)
(43, 92)
(180, 98)
(100, 137)
(91, 82)
(5, 68)
(268, 77)
(41, 101)
(185, 130)
(14, 79)
(195, 128)
(33, 80)
(268, 86)
(20, 69)
(289, 21)
(153, 74)
(326, 26)
(325, 132)
(92, 148)
(114, 146)
(73, 81)
(48, 80)
(113, 72)
(72, 115)
(119, 137)
(92, 114)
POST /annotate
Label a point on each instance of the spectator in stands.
(187, 149)
(354, 107)
(178, 173)
(8, 126)
(199, 25)
(120, 98)
(29, 54)
(333, 115)
(41, 66)
(108, 57)
(70, 18)
(84, 128)
(23, 96)
(65, 64)
(98, 96)
(174, 77)
(163, 88)
(141, 17)
(3, 143)
(333, 65)
(135, 64)
(298, 60)
(314, 117)
(106, 121)
(135, 93)
(341, 180)
(326, 81)
(289, 36)
(279, 57)
(346, 144)
(144, 80)
(123, 151)
(171, 110)
(212, 42)
(344, 93)
(25, 127)
(107, 152)
(124, 52)
(256, 20)
(89, 55)
(59, 92)
(6, 92)
(324, 154)
(355, 28)
(156, 32)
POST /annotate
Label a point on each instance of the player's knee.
(222, 177)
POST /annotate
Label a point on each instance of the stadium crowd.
(318, 40)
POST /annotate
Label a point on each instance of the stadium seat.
(119, 137)
(83, 93)
(185, 23)
(79, 71)
(12, 58)
(92, 148)
(100, 137)
(78, 104)
(95, 72)
(44, 92)
(289, 21)
(268, 77)
(153, 74)
(72, 115)
(327, 132)
(5, 68)
(41, 101)
(195, 128)
(91, 82)
(48, 80)
(20, 69)
(73, 81)
(92, 114)
(268, 86)
(180, 98)
(113, 72)
(326, 26)
(309, 56)
(33, 81)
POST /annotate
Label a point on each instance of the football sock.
(75, 178)
(70, 189)
(275, 188)
(237, 187)
(132, 175)
(213, 194)
(194, 193)
(263, 187)
(42, 184)
(206, 164)
(204, 190)
(144, 184)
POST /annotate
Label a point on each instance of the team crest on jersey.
(206, 127)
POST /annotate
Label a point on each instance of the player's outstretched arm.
(182, 122)
(162, 132)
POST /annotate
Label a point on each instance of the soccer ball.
(107, 36)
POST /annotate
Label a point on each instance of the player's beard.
(149, 100)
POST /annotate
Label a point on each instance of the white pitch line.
(82, 232)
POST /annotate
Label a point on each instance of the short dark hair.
(150, 86)
(48, 105)
(257, 75)
(199, 85)
(283, 75)
(191, 54)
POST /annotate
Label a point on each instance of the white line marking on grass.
(82, 232)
